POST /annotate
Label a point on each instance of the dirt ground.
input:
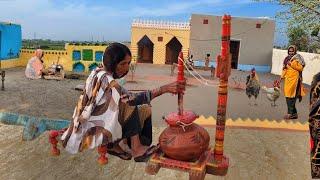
(254, 154)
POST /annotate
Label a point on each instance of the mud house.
(159, 42)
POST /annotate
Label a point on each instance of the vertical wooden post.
(180, 78)
(3, 74)
(219, 164)
(223, 88)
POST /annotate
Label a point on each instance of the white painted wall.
(256, 44)
(312, 64)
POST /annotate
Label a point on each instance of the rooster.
(253, 85)
(273, 93)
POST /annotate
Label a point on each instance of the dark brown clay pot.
(184, 144)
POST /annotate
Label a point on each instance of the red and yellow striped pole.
(223, 74)
(180, 78)
(219, 164)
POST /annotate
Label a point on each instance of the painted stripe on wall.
(242, 67)
(259, 68)
(200, 63)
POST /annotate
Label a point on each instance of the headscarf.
(300, 59)
(289, 57)
(38, 53)
(253, 72)
(35, 65)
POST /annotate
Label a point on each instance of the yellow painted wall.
(159, 51)
(10, 63)
(65, 56)
(50, 56)
(71, 48)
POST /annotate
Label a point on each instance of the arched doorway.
(172, 50)
(78, 67)
(145, 50)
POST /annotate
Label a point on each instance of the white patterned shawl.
(95, 119)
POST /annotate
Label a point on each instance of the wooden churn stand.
(212, 160)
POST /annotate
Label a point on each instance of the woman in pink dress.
(35, 67)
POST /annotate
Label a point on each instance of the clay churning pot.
(183, 140)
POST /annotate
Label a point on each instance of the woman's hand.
(126, 98)
(174, 87)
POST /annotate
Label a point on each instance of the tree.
(303, 14)
(298, 37)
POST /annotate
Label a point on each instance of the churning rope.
(201, 79)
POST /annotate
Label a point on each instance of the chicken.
(253, 85)
(273, 93)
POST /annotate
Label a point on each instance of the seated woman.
(35, 68)
(107, 113)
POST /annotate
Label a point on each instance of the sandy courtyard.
(254, 154)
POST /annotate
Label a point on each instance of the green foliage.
(45, 44)
(298, 37)
(315, 32)
(303, 14)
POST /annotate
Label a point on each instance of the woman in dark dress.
(314, 126)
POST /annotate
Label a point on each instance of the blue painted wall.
(242, 67)
(78, 67)
(10, 40)
(259, 68)
(99, 55)
(200, 63)
(76, 55)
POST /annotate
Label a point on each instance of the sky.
(98, 20)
